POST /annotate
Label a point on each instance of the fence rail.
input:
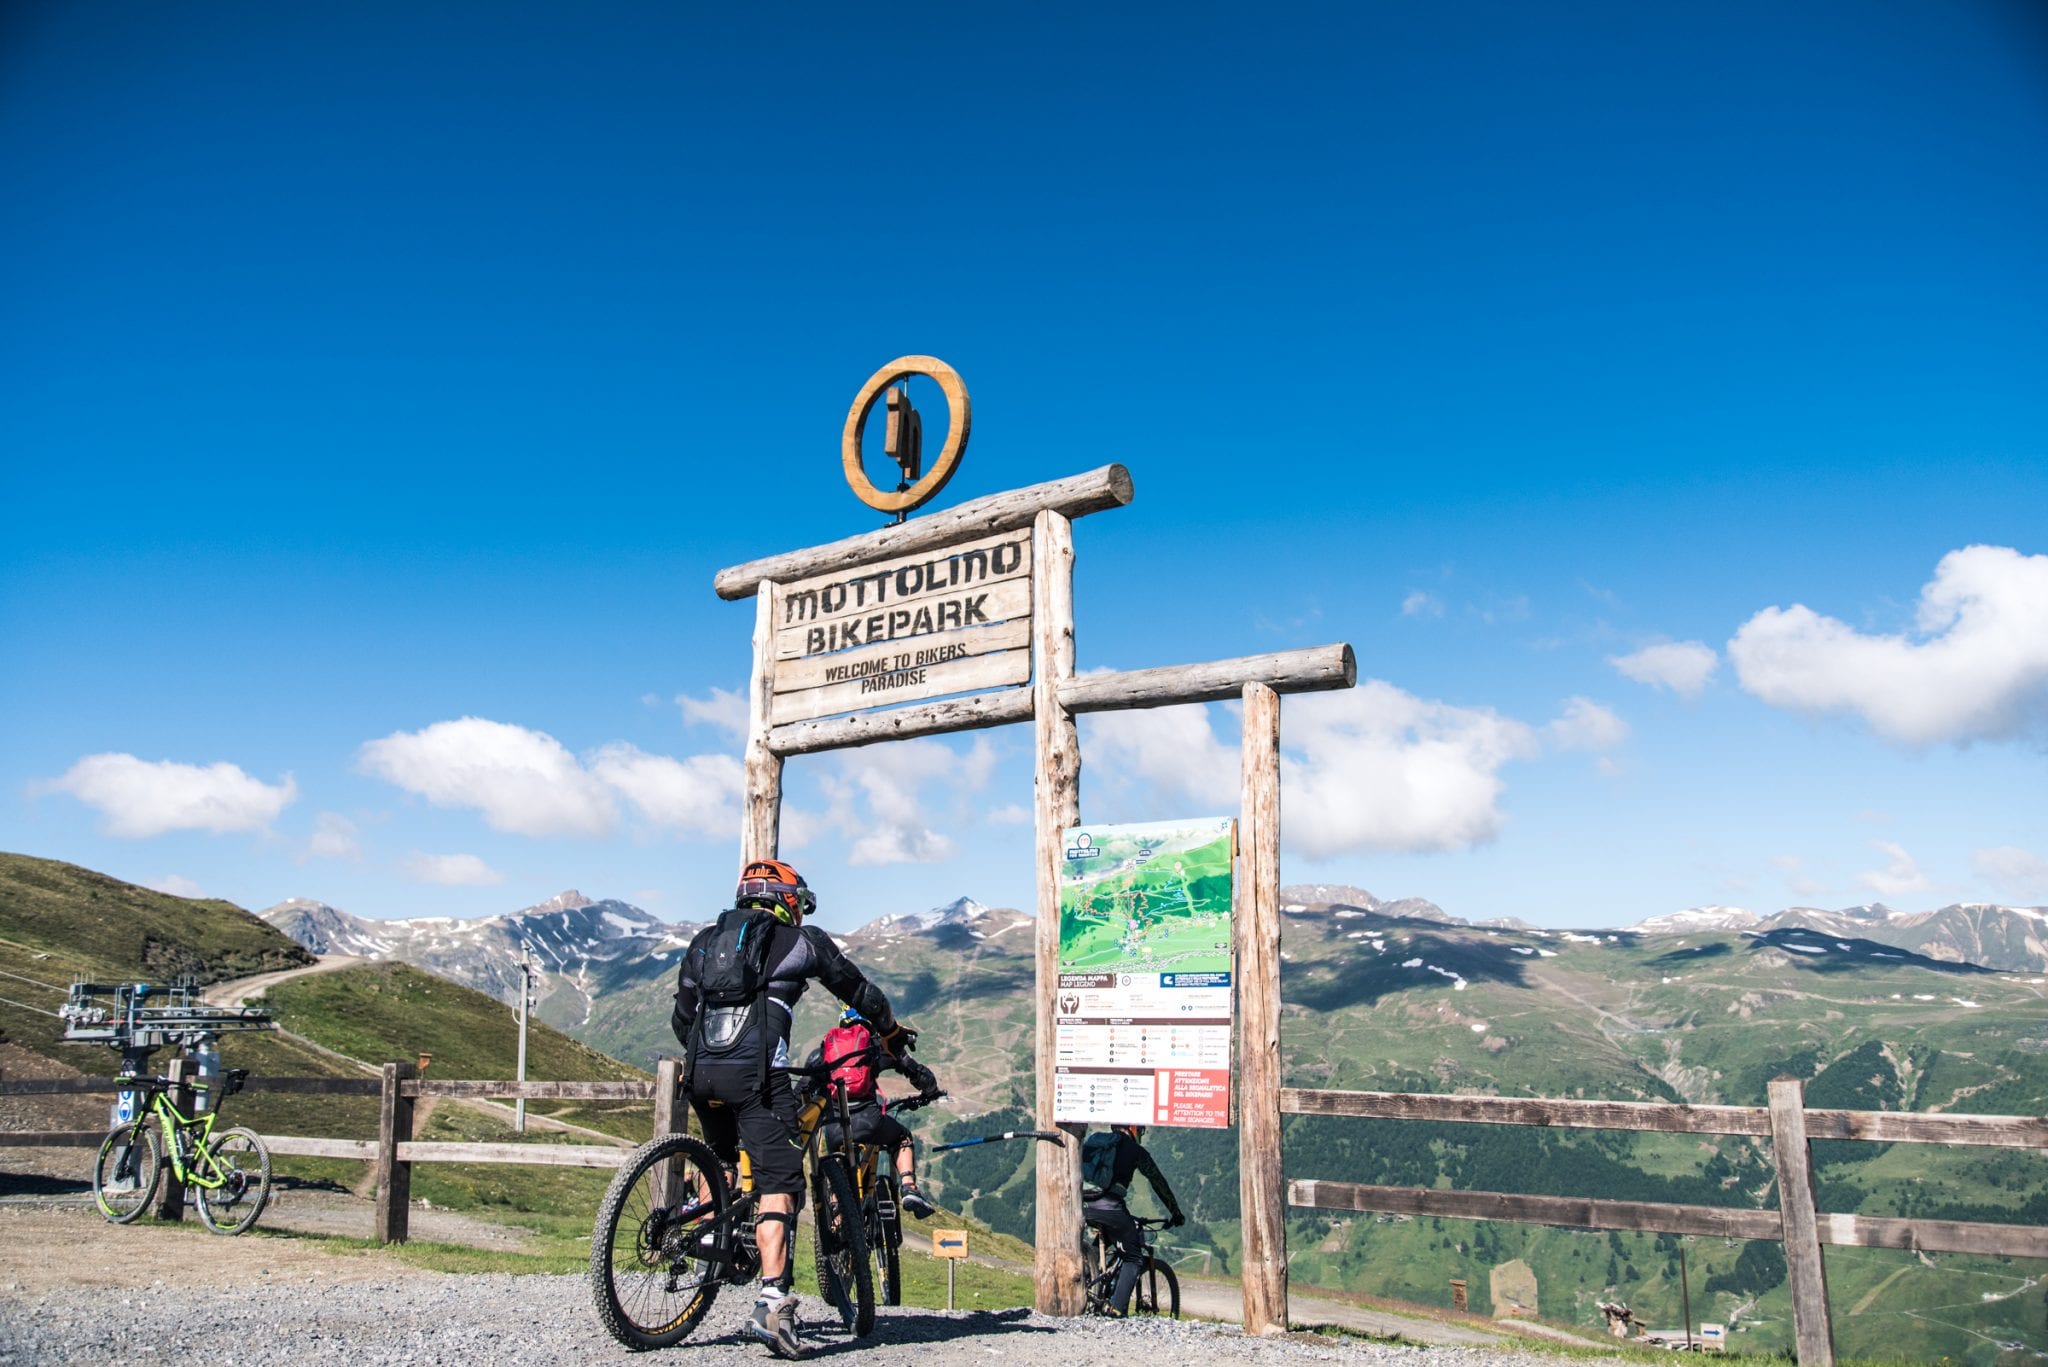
(394, 1151)
(1786, 1122)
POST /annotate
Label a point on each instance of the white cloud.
(522, 781)
(177, 885)
(695, 796)
(877, 798)
(141, 798)
(721, 708)
(334, 837)
(1370, 768)
(1586, 725)
(1901, 873)
(2019, 874)
(1795, 876)
(1010, 814)
(1681, 666)
(1974, 668)
(451, 870)
(1422, 603)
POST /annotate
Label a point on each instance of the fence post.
(668, 1082)
(170, 1201)
(1261, 1190)
(393, 1178)
(1813, 1335)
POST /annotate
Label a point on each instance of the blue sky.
(1657, 399)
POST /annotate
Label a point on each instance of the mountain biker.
(1109, 1160)
(736, 993)
(866, 1111)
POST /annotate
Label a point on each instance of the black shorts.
(872, 1125)
(735, 1110)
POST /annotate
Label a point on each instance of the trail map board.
(1142, 1024)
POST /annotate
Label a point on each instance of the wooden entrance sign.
(928, 627)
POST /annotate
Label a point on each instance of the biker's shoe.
(917, 1203)
(774, 1323)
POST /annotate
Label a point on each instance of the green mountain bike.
(228, 1172)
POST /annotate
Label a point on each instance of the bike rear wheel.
(844, 1278)
(1158, 1290)
(126, 1173)
(243, 1165)
(650, 1277)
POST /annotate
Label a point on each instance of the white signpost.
(928, 627)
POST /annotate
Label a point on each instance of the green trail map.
(1147, 899)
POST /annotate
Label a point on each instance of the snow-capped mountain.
(1698, 918)
(577, 946)
(2011, 939)
(1307, 896)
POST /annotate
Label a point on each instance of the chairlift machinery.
(140, 1018)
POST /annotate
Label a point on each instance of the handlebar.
(911, 1103)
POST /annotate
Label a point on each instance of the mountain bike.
(880, 1197)
(228, 1172)
(1157, 1291)
(676, 1225)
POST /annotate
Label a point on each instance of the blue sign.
(1194, 979)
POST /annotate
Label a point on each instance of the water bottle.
(207, 1057)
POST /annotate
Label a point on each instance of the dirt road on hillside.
(241, 991)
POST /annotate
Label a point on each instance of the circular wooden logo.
(927, 488)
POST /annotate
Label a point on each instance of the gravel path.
(419, 1317)
(74, 1289)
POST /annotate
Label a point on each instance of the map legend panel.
(1142, 1012)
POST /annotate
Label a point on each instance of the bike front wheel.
(242, 1164)
(1158, 1291)
(844, 1278)
(126, 1173)
(656, 1255)
(885, 1241)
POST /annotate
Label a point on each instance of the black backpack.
(730, 963)
(1098, 1164)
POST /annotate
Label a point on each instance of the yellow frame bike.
(229, 1173)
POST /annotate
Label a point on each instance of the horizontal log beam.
(1935, 1236)
(51, 1139)
(1107, 487)
(1648, 1217)
(1651, 1116)
(1920, 1127)
(532, 1155)
(1315, 670)
(532, 1091)
(1570, 1212)
(296, 1146)
(67, 1086)
(903, 723)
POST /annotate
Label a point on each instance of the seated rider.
(868, 1114)
(1108, 1162)
(736, 992)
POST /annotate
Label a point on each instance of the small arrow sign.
(949, 1243)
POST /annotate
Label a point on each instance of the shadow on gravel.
(34, 1184)
(824, 1338)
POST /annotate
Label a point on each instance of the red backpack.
(857, 1071)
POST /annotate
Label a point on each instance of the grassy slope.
(131, 933)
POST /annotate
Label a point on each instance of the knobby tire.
(885, 1241)
(240, 1158)
(845, 1279)
(1158, 1291)
(144, 1165)
(649, 1282)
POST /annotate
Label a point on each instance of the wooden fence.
(393, 1152)
(1785, 1122)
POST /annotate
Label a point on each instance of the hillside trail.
(241, 991)
(1223, 1301)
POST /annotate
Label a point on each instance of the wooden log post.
(170, 1199)
(1813, 1336)
(1056, 789)
(1262, 1197)
(391, 1174)
(760, 837)
(669, 1114)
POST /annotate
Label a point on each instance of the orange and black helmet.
(775, 885)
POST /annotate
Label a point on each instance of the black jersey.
(796, 954)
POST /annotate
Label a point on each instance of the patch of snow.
(1895, 996)
(1521, 949)
(1479, 1028)
(1844, 944)
(1577, 938)
(1412, 963)
(625, 926)
(1547, 953)
(1807, 949)
(1358, 935)
(1964, 1001)
(1880, 954)
(1348, 913)
(1923, 996)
